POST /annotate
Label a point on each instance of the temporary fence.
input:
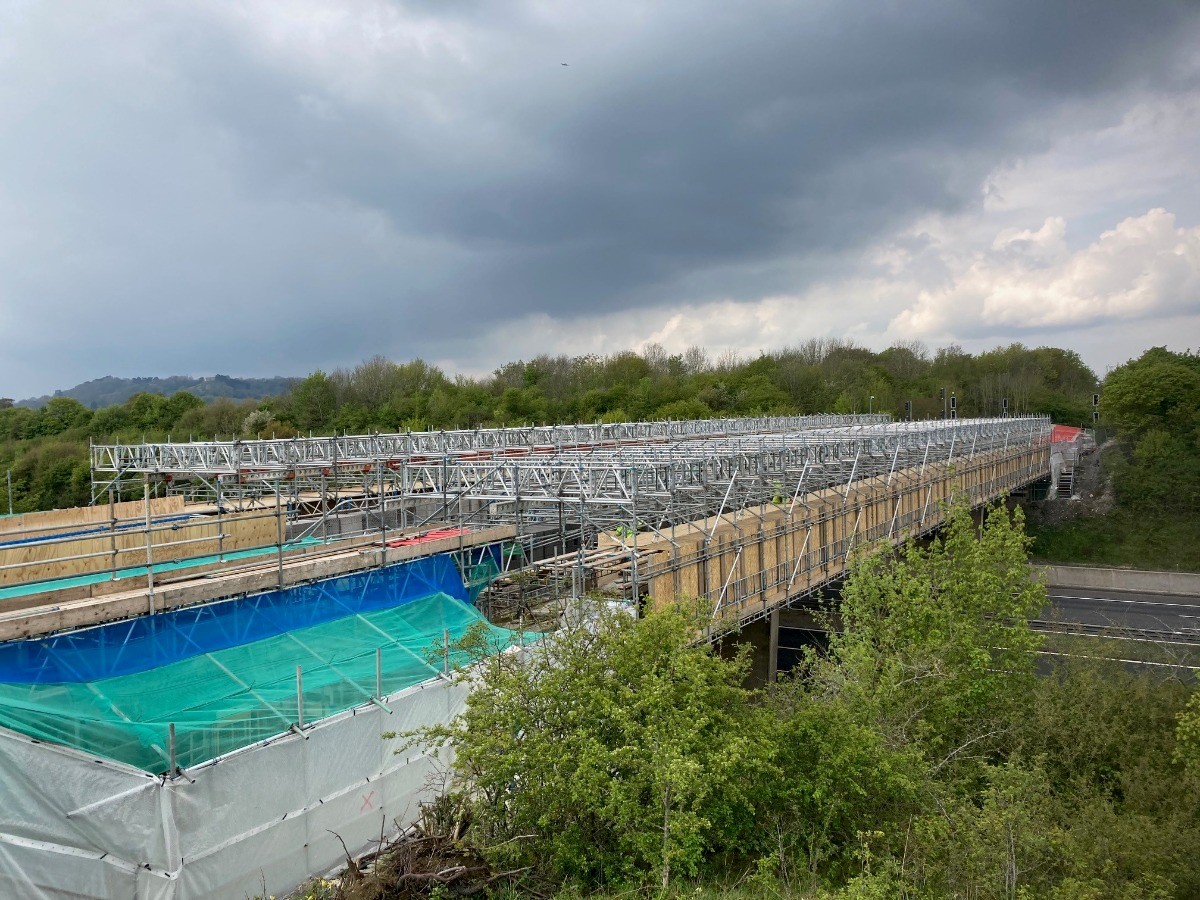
(256, 822)
(232, 748)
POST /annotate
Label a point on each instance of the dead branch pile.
(428, 858)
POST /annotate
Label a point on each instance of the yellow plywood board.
(38, 524)
(68, 557)
(877, 510)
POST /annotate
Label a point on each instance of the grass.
(322, 889)
(1152, 541)
(735, 885)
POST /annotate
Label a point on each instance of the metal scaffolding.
(119, 465)
(575, 507)
(634, 475)
(560, 485)
(657, 485)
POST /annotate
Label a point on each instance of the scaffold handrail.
(636, 472)
(224, 457)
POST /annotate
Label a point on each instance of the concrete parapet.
(1178, 583)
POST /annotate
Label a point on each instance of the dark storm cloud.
(290, 186)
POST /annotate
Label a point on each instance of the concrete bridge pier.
(762, 637)
(775, 642)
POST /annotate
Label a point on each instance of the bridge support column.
(762, 637)
(773, 647)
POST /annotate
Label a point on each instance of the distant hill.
(109, 390)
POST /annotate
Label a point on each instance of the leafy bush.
(920, 756)
(615, 750)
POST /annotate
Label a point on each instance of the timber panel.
(744, 563)
(105, 551)
(56, 521)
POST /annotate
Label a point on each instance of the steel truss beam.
(283, 454)
(682, 482)
(634, 476)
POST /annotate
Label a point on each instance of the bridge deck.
(742, 513)
(744, 564)
(50, 612)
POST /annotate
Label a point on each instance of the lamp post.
(871, 408)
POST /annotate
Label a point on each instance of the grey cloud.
(193, 197)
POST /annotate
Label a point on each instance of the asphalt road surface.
(1156, 618)
(1166, 617)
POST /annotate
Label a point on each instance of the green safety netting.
(114, 691)
(479, 575)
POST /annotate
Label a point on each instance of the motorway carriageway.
(1163, 618)
(1169, 619)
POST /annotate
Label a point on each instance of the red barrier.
(435, 535)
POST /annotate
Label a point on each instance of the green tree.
(993, 845)
(521, 406)
(1160, 390)
(1188, 736)
(936, 646)
(61, 414)
(147, 412)
(109, 422)
(17, 423)
(314, 402)
(52, 475)
(225, 417)
(617, 751)
(838, 776)
(683, 409)
(178, 404)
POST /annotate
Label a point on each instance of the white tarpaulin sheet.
(268, 815)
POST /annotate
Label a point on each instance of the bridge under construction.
(742, 514)
(196, 670)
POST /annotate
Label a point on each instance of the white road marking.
(1120, 600)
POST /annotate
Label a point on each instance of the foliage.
(1156, 392)
(1188, 734)
(47, 449)
(1154, 402)
(51, 475)
(936, 646)
(919, 755)
(839, 779)
(616, 750)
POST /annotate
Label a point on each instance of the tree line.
(46, 448)
(819, 376)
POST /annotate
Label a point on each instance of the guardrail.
(1147, 582)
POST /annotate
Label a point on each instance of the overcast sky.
(262, 188)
